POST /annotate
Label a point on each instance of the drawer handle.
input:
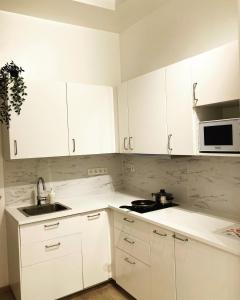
(158, 233)
(129, 241)
(51, 225)
(94, 216)
(52, 246)
(180, 239)
(128, 220)
(129, 261)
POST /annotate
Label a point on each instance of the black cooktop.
(145, 209)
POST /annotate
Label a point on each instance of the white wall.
(3, 243)
(54, 51)
(178, 29)
(59, 51)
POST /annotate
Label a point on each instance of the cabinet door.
(52, 279)
(179, 108)
(123, 117)
(132, 275)
(216, 74)
(90, 119)
(147, 113)
(162, 265)
(96, 248)
(41, 128)
(203, 272)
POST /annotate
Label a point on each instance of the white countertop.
(196, 225)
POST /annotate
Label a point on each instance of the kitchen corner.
(120, 150)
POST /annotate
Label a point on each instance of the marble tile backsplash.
(68, 176)
(210, 184)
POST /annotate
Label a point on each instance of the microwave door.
(219, 137)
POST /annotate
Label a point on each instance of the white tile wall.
(68, 176)
(210, 184)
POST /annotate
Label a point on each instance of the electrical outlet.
(128, 166)
(132, 168)
(97, 171)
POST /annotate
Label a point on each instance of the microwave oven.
(220, 136)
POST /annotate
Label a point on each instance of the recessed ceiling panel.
(110, 15)
(108, 4)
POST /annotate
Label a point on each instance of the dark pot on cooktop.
(162, 197)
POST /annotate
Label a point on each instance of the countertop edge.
(14, 213)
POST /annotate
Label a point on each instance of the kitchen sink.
(36, 210)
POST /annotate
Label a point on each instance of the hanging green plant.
(12, 91)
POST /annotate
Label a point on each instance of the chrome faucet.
(40, 198)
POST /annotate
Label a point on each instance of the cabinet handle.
(128, 220)
(15, 148)
(51, 225)
(169, 142)
(74, 145)
(195, 99)
(129, 241)
(129, 261)
(125, 143)
(94, 216)
(52, 246)
(131, 143)
(180, 239)
(158, 233)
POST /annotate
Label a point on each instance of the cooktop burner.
(144, 209)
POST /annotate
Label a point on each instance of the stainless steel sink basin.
(36, 210)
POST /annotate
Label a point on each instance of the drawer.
(52, 279)
(132, 245)
(51, 229)
(47, 250)
(133, 275)
(132, 226)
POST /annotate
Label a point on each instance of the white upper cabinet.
(215, 75)
(90, 119)
(179, 109)
(147, 113)
(123, 118)
(41, 128)
(142, 114)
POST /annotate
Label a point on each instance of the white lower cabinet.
(204, 272)
(52, 279)
(51, 259)
(178, 268)
(132, 275)
(96, 247)
(162, 265)
(54, 258)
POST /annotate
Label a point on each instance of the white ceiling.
(110, 15)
